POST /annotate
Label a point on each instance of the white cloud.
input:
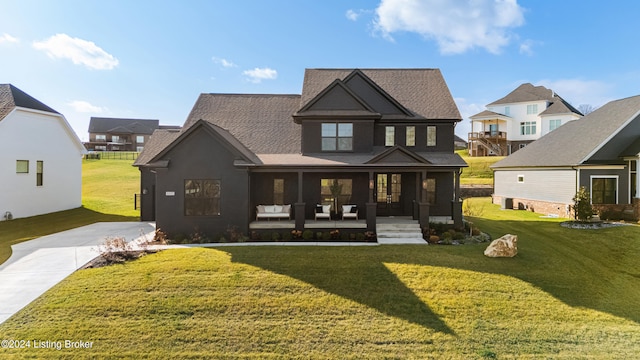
(258, 74)
(352, 15)
(79, 51)
(223, 62)
(526, 47)
(6, 38)
(85, 107)
(456, 25)
(466, 110)
(577, 91)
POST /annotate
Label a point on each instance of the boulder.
(506, 246)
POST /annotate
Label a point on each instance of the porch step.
(406, 232)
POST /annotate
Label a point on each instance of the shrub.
(344, 237)
(307, 235)
(434, 239)
(335, 234)
(160, 237)
(582, 208)
(360, 237)
(319, 235)
(370, 236)
(459, 236)
(286, 236)
(235, 235)
(297, 234)
(474, 210)
(255, 236)
(326, 236)
(265, 236)
(275, 236)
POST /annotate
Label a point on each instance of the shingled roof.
(576, 141)
(422, 91)
(526, 92)
(262, 123)
(122, 126)
(11, 97)
(159, 140)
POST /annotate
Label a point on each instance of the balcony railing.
(492, 135)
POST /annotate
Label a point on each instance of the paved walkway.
(37, 265)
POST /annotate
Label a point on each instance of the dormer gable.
(374, 95)
(336, 100)
(398, 155)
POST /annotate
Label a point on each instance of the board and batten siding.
(551, 185)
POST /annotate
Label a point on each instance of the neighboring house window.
(520, 179)
(140, 139)
(522, 146)
(411, 136)
(493, 130)
(337, 136)
(507, 110)
(101, 137)
(554, 124)
(201, 197)
(329, 198)
(115, 138)
(431, 191)
(431, 135)
(278, 191)
(389, 135)
(532, 109)
(633, 174)
(528, 128)
(139, 148)
(101, 148)
(22, 166)
(39, 172)
(604, 190)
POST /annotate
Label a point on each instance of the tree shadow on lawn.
(369, 283)
(582, 268)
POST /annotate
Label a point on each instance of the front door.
(389, 194)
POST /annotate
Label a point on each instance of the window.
(115, 138)
(604, 190)
(337, 137)
(101, 148)
(522, 146)
(431, 135)
(528, 128)
(411, 136)
(493, 130)
(138, 148)
(278, 191)
(101, 137)
(335, 192)
(201, 197)
(532, 109)
(39, 172)
(431, 191)
(507, 110)
(554, 124)
(140, 139)
(22, 166)
(633, 171)
(389, 135)
(520, 179)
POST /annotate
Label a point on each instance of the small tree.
(582, 205)
(336, 191)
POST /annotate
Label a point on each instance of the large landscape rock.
(506, 246)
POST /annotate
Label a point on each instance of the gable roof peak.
(526, 92)
(12, 97)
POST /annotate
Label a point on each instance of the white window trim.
(605, 177)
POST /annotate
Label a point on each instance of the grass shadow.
(367, 282)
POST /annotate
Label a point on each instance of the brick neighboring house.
(516, 120)
(384, 137)
(116, 134)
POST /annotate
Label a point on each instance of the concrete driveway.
(37, 265)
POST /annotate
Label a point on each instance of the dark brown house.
(115, 134)
(383, 137)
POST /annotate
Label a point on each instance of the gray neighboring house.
(385, 136)
(600, 152)
(118, 134)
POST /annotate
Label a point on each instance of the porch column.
(423, 205)
(299, 205)
(456, 205)
(371, 205)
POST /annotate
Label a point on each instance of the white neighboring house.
(523, 116)
(40, 157)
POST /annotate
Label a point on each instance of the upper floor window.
(39, 172)
(22, 166)
(115, 138)
(389, 135)
(337, 136)
(532, 109)
(431, 135)
(411, 136)
(554, 124)
(528, 128)
(507, 110)
(140, 139)
(101, 137)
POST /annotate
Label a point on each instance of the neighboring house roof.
(560, 106)
(159, 140)
(262, 123)
(526, 92)
(486, 114)
(421, 91)
(11, 97)
(122, 126)
(576, 142)
(458, 139)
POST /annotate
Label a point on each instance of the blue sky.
(151, 59)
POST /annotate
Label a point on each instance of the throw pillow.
(354, 209)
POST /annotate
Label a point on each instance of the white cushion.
(346, 208)
(260, 208)
(270, 209)
(286, 209)
(326, 209)
(277, 208)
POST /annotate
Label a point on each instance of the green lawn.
(568, 294)
(478, 171)
(107, 195)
